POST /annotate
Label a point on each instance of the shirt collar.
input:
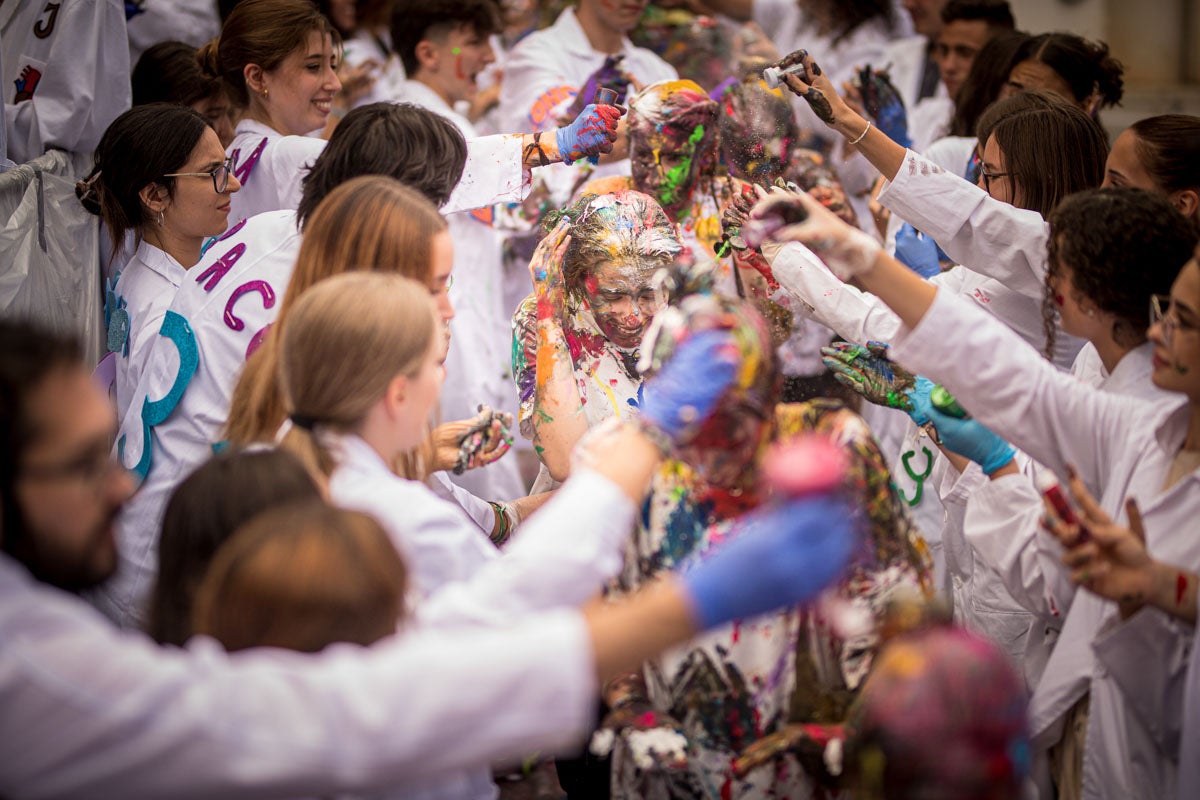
(571, 37)
(247, 125)
(160, 262)
(1172, 428)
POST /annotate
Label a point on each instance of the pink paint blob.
(807, 465)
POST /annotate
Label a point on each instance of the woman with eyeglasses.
(1103, 710)
(161, 174)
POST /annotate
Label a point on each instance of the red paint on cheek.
(458, 68)
(591, 284)
(1059, 300)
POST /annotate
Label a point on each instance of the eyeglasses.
(1161, 314)
(988, 177)
(92, 469)
(219, 174)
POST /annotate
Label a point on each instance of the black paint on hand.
(820, 106)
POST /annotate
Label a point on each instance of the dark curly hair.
(1121, 246)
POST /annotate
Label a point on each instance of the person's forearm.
(627, 631)
(905, 292)
(558, 417)
(539, 149)
(1172, 590)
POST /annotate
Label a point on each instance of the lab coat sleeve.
(495, 173)
(854, 315)
(990, 237)
(1003, 525)
(479, 511)
(92, 712)
(563, 556)
(76, 86)
(1011, 389)
(534, 89)
(1147, 656)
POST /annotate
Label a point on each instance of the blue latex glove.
(690, 384)
(918, 395)
(592, 133)
(918, 252)
(781, 556)
(883, 103)
(967, 437)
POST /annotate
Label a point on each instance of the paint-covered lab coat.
(90, 711)
(66, 71)
(144, 289)
(479, 361)
(540, 570)
(1121, 447)
(271, 167)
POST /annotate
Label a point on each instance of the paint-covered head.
(672, 139)
(758, 131)
(942, 715)
(725, 447)
(618, 241)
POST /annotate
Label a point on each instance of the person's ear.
(256, 79)
(1187, 201)
(428, 57)
(155, 197)
(395, 396)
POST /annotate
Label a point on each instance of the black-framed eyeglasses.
(219, 174)
(988, 177)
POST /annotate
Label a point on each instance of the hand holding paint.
(593, 132)
(967, 437)
(686, 391)
(609, 76)
(847, 251)
(883, 103)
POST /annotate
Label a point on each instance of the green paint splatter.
(543, 416)
(537, 448)
(668, 192)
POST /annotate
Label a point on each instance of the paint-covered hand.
(685, 392)
(472, 443)
(611, 75)
(545, 270)
(818, 91)
(884, 105)
(783, 555)
(870, 373)
(918, 252)
(593, 132)
(966, 436)
(846, 250)
(652, 739)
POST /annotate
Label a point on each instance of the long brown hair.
(303, 576)
(345, 341)
(262, 32)
(370, 223)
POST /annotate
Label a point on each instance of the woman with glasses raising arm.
(160, 174)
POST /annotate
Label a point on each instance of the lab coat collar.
(252, 126)
(160, 262)
(571, 38)
(1131, 372)
(1172, 429)
(348, 449)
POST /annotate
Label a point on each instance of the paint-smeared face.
(622, 301)
(459, 57)
(300, 91)
(1176, 336)
(725, 448)
(665, 168)
(1070, 303)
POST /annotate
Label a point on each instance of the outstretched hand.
(592, 133)
(869, 372)
(680, 397)
(818, 91)
(847, 251)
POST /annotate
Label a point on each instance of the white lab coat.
(66, 69)
(193, 22)
(144, 289)
(1121, 447)
(93, 712)
(271, 167)
(479, 361)
(542, 569)
(543, 74)
(1003, 519)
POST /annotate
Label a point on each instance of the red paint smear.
(1181, 584)
(737, 631)
(458, 68)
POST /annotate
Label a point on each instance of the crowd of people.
(724, 398)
